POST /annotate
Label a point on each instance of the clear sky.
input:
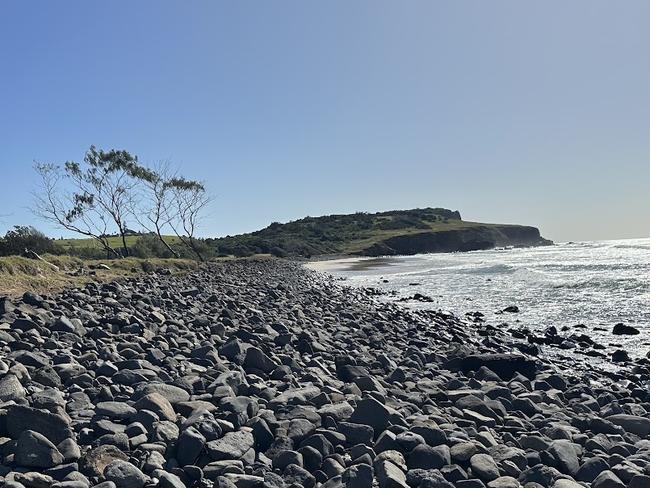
(509, 111)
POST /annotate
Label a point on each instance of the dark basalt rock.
(622, 329)
(506, 366)
(262, 373)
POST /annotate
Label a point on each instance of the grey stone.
(11, 389)
(34, 450)
(632, 423)
(484, 467)
(124, 475)
(53, 426)
(233, 445)
(566, 455)
(607, 479)
(157, 403)
(427, 457)
(591, 468)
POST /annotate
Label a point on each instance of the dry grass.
(19, 274)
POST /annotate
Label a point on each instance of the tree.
(56, 202)
(106, 182)
(189, 199)
(99, 195)
(153, 212)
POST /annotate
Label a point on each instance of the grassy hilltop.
(365, 234)
(382, 233)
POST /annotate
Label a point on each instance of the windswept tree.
(153, 209)
(109, 178)
(98, 197)
(56, 201)
(189, 200)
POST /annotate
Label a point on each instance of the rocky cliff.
(464, 239)
(371, 234)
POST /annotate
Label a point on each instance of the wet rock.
(622, 329)
(511, 309)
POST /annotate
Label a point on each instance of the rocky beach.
(261, 373)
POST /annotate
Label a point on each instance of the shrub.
(278, 252)
(149, 246)
(23, 237)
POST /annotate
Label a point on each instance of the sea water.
(590, 284)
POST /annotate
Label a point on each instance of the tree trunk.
(196, 251)
(169, 248)
(124, 246)
(109, 250)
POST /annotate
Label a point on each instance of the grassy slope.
(18, 274)
(313, 236)
(343, 234)
(114, 242)
(375, 236)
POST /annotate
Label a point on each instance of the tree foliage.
(108, 191)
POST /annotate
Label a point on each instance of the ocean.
(587, 287)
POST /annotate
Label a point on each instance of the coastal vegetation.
(108, 191)
(19, 274)
(381, 233)
(137, 217)
(371, 233)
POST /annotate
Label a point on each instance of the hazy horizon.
(509, 112)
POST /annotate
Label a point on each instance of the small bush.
(23, 237)
(278, 252)
(149, 246)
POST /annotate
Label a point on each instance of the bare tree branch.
(66, 209)
(189, 200)
(153, 211)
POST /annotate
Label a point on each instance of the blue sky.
(509, 111)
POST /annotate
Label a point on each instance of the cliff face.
(469, 239)
(418, 230)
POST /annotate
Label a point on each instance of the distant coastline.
(391, 233)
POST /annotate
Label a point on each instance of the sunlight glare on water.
(593, 283)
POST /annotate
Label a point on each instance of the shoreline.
(266, 373)
(480, 287)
